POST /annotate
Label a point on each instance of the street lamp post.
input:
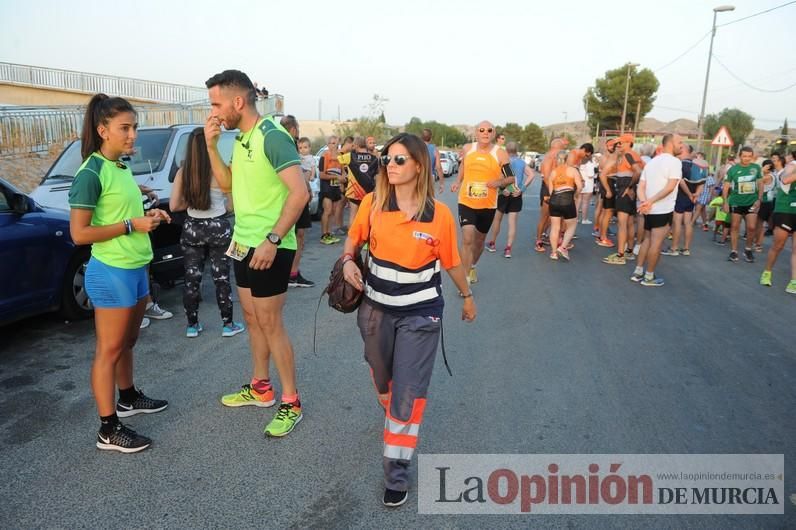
(701, 121)
(627, 88)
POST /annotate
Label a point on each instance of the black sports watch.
(274, 238)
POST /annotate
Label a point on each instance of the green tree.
(533, 138)
(605, 101)
(513, 132)
(441, 134)
(781, 143)
(365, 126)
(739, 123)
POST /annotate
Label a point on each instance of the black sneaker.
(141, 405)
(300, 281)
(122, 439)
(733, 257)
(393, 498)
(748, 255)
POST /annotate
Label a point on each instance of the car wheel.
(75, 304)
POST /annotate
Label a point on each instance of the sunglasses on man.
(485, 130)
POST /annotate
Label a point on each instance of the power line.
(747, 84)
(756, 14)
(684, 53)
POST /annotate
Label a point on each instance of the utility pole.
(701, 120)
(638, 113)
(627, 88)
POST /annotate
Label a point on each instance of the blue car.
(41, 268)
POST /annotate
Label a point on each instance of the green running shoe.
(791, 288)
(249, 396)
(765, 278)
(285, 421)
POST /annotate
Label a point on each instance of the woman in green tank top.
(107, 213)
(784, 222)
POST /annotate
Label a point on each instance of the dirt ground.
(25, 171)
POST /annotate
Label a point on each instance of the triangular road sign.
(722, 138)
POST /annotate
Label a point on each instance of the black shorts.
(332, 193)
(509, 204)
(268, 282)
(480, 218)
(543, 192)
(305, 220)
(682, 203)
(610, 204)
(657, 220)
(765, 211)
(785, 221)
(567, 212)
(625, 204)
(356, 202)
(740, 210)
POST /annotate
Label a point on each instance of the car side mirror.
(20, 203)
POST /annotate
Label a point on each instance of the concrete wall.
(29, 96)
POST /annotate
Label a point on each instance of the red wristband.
(347, 257)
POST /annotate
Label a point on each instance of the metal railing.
(88, 83)
(32, 129)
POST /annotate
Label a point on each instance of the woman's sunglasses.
(486, 130)
(399, 159)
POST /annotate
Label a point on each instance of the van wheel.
(75, 304)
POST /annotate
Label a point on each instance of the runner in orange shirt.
(485, 168)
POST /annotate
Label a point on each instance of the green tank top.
(258, 193)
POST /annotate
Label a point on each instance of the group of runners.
(411, 238)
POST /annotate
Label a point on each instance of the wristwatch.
(274, 238)
(468, 295)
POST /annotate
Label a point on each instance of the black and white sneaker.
(748, 255)
(733, 257)
(141, 405)
(300, 281)
(122, 439)
(393, 498)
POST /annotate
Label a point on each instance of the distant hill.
(759, 139)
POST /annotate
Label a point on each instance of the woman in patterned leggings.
(205, 233)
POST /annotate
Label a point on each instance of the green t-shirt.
(257, 191)
(786, 198)
(744, 180)
(110, 191)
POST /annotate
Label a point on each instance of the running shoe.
(595, 233)
(193, 331)
(615, 259)
(554, 256)
(629, 256)
(721, 243)
(610, 232)
(758, 248)
(765, 278)
(490, 246)
(394, 498)
(286, 419)
(791, 288)
(141, 405)
(654, 282)
(341, 231)
(670, 252)
(144, 323)
(507, 252)
(636, 277)
(685, 252)
(539, 246)
(300, 281)
(705, 228)
(733, 257)
(564, 253)
(326, 239)
(585, 222)
(158, 313)
(748, 255)
(249, 396)
(232, 329)
(605, 243)
(122, 439)
(472, 276)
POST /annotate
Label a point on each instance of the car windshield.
(148, 156)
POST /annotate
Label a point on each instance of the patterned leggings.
(203, 238)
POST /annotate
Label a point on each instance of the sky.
(456, 62)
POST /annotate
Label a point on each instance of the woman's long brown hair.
(196, 172)
(424, 187)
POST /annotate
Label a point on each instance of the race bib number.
(237, 251)
(477, 190)
(746, 188)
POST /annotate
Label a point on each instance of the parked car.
(158, 153)
(449, 164)
(41, 268)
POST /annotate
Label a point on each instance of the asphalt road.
(563, 358)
